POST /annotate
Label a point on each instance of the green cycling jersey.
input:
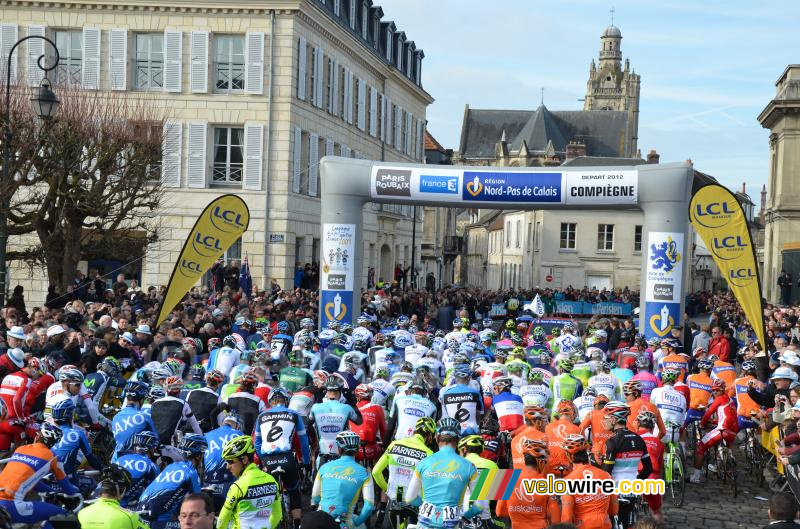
(293, 378)
(106, 513)
(400, 457)
(253, 502)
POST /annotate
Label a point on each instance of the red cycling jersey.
(726, 413)
(13, 391)
(374, 423)
(36, 388)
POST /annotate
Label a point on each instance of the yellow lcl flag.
(222, 222)
(717, 216)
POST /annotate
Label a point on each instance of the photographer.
(780, 381)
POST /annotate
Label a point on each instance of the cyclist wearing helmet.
(106, 512)
(442, 493)
(649, 380)
(13, 391)
(671, 404)
(603, 382)
(330, 417)
(493, 448)
(535, 424)
(431, 359)
(585, 403)
(593, 424)
(456, 334)
(103, 384)
(350, 369)
(507, 406)
(655, 448)
(699, 390)
(245, 402)
(24, 472)
(73, 440)
(624, 450)
(294, 377)
(461, 401)
(587, 512)
(470, 448)
(535, 512)
(203, 401)
(725, 430)
(170, 412)
(382, 390)
(557, 432)
(418, 349)
(488, 372)
(254, 497)
(197, 378)
(622, 371)
(581, 369)
(224, 358)
(216, 475)
(632, 392)
(401, 457)
(564, 385)
(281, 343)
(362, 332)
(746, 407)
(277, 431)
(407, 408)
(374, 424)
(163, 496)
(724, 371)
(671, 358)
(339, 483)
(130, 420)
(140, 465)
(245, 362)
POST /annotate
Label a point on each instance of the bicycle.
(400, 513)
(724, 463)
(285, 523)
(674, 470)
(753, 452)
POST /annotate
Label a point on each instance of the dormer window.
(400, 53)
(376, 31)
(364, 15)
(353, 14)
(408, 62)
(337, 7)
(389, 44)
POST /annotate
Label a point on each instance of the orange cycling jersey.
(557, 431)
(599, 434)
(744, 404)
(636, 407)
(589, 511)
(28, 465)
(725, 372)
(535, 511)
(675, 361)
(520, 436)
(699, 390)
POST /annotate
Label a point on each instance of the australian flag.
(245, 279)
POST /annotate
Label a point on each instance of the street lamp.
(45, 105)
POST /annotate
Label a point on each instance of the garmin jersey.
(605, 384)
(215, 469)
(463, 404)
(330, 418)
(143, 471)
(382, 391)
(223, 359)
(276, 430)
(406, 410)
(165, 494)
(508, 408)
(536, 395)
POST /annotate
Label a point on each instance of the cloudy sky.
(707, 68)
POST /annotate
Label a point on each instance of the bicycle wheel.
(728, 470)
(677, 486)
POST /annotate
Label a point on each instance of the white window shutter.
(331, 77)
(362, 107)
(348, 98)
(318, 78)
(171, 154)
(90, 73)
(118, 58)
(346, 151)
(196, 164)
(199, 65)
(373, 112)
(398, 128)
(383, 117)
(407, 147)
(420, 141)
(254, 65)
(314, 85)
(253, 155)
(8, 37)
(389, 129)
(301, 70)
(328, 147)
(35, 50)
(297, 156)
(313, 164)
(173, 60)
(335, 101)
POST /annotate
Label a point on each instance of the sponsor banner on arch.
(718, 218)
(663, 283)
(220, 224)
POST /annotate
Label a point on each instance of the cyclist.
(374, 424)
(586, 511)
(254, 497)
(585, 403)
(671, 358)
(533, 512)
(330, 417)
(169, 412)
(507, 406)
(670, 402)
(73, 440)
(535, 423)
(163, 496)
(632, 391)
(245, 402)
(294, 377)
(592, 426)
(558, 431)
(470, 448)
(106, 378)
(140, 466)
(564, 385)
(339, 483)
(407, 408)
(725, 430)
(649, 380)
(725, 371)
(216, 476)
(624, 450)
(655, 448)
(604, 382)
(203, 401)
(699, 390)
(197, 376)
(536, 392)
(24, 472)
(462, 402)
(13, 391)
(278, 429)
(382, 390)
(130, 420)
(745, 406)
(106, 512)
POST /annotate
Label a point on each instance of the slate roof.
(603, 131)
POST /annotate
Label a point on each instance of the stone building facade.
(254, 94)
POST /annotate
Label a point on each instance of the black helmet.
(116, 480)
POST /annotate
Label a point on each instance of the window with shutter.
(196, 164)
(199, 64)
(70, 57)
(328, 147)
(407, 148)
(398, 128)
(118, 58)
(229, 63)
(331, 85)
(362, 97)
(297, 152)
(389, 115)
(302, 50)
(314, 70)
(35, 50)
(229, 157)
(254, 65)
(348, 96)
(383, 118)
(321, 77)
(389, 39)
(90, 75)
(364, 25)
(337, 7)
(353, 9)
(253, 153)
(313, 164)
(173, 63)
(373, 112)
(171, 154)
(149, 61)
(420, 142)
(8, 37)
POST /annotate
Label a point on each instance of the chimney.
(575, 148)
(763, 210)
(653, 157)
(744, 188)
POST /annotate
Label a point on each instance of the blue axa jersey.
(165, 494)
(215, 469)
(143, 472)
(72, 442)
(127, 423)
(341, 482)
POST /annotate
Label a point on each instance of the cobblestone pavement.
(711, 506)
